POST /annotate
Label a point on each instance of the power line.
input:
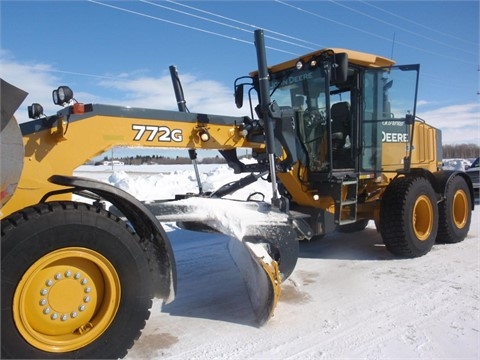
(184, 25)
(317, 46)
(224, 24)
(418, 24)
(399, 27)
(371, 34)
(221, 23)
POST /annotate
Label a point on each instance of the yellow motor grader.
(333, 131)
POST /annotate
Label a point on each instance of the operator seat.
(298, 102)
(340, 114)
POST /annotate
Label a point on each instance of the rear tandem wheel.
(455, 211)
(409, 216)
(75, 283)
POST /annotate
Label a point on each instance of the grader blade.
(261, 276)
(11, 142)
(262, 242)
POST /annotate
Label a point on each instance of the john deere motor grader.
(335, 133)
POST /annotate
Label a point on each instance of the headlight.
(35, 111)
(62, 95)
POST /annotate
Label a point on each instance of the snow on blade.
(248, 225)
(230, 217)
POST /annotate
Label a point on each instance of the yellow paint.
(66, 299)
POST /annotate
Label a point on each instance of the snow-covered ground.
(347, 298)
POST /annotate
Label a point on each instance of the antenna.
(393, 46)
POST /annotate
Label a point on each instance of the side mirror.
(409, 119)
(239, 96)
(339, 68)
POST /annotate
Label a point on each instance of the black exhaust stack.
(267, 110)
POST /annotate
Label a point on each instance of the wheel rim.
(460, 209)
(66, 299)
(423, 218)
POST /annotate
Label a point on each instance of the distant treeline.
(463, 151)
(158, 159)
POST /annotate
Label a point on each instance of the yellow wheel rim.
(66, 299)
(423, 218)
(460, 209)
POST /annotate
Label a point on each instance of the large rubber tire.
(455, 212)
(75, 283)
(409, 217)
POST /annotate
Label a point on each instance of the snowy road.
(348, 297)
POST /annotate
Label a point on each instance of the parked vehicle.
(455, 164)
(473, 172)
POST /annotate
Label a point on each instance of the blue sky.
(118, 52)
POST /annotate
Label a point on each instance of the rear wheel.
(409, 216)
(75, 283)
(455, 212)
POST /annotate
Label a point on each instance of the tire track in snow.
(378, 323)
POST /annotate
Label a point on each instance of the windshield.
(304, 91)
(300, 89)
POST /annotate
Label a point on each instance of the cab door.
(388, 112)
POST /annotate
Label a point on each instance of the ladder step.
(346, 210)
(347, 221)
(347, 202)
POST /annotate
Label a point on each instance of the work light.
(35, 111)
(62, 95)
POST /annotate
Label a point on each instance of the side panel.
(58, 145)
(425, 147)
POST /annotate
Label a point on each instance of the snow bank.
(156, 182)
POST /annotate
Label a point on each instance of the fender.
(441, 179)
(142, 220)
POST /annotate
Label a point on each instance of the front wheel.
(455, 211)
(409, 216)
(75, 283)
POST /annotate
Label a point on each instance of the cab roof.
(354, 57)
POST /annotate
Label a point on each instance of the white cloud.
(131, 89)
(37, 80)
(459, 123)
(202, 96)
